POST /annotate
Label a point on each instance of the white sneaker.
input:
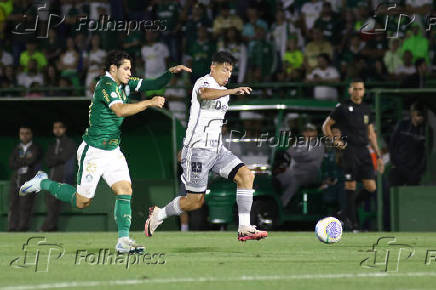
(33, 185)
(152, 222)
(127, 245)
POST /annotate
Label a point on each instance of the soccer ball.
(329, 230)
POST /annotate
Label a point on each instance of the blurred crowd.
(281, 41)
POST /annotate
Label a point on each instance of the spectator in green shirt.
(293, 60)
(262, 54)
(392, 58)
(31, 52)
(417, 44)
(200, 53)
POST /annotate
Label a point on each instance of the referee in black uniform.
(354, 120)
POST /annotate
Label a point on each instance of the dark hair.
(325, 56)
(25, 125)
(60, 121)
(418, 107)
(419, 62)
(115, 57)
(356, 80)
(223, 57)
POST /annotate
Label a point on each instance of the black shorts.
(357, 163)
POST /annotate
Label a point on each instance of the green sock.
(61, 191)
(123, 214)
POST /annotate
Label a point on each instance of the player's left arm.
(141, 85)
(372, 136)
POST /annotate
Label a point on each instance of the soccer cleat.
(152, 222)
(246, 233)
(127, 245)
(34, 184)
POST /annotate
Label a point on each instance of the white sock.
(184, 228)
(162, 214)
(244, 198)
(244, 219)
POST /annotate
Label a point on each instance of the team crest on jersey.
(88, 178)
(114, 95)
(365, 119)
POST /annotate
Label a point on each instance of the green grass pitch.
(216, 260)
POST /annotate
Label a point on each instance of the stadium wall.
(149, 142)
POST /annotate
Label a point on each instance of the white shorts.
(94, 163)
(197, 163)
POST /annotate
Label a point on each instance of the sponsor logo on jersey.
(91, 167)
(365, 119)
(105, 95)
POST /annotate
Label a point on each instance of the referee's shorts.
(357, 163)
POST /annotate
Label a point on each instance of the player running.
(99, 154)
(203, 151)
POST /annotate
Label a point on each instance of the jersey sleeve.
(142, 85)
(202, 83)
(109, 94)
(337, 113)
(371, 115)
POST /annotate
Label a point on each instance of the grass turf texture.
(216, 260)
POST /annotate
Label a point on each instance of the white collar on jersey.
(109, 75)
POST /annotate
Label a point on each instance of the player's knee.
(82, 205)
(122, 189)
(350, 185)
(371, 187)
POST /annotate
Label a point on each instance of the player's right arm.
(110, 95)
(327, 130)
(126, 110)
(213, 94)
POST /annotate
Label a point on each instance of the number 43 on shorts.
(196, 167)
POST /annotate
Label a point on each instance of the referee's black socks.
(363, 195)
(351, 211)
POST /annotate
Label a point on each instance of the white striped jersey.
(206, 116)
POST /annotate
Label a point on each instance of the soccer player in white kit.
(203, 151)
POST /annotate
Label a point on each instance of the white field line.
(214, 279)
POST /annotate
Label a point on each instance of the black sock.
(351, 206)
(363, 195)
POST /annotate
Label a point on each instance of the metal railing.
(300, 88)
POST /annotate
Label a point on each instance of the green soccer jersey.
(104, 125)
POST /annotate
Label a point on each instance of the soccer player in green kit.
(99, 154)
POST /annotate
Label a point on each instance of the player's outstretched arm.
(213, 94)
(179, 68)
(157, 83)
(126, 110)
